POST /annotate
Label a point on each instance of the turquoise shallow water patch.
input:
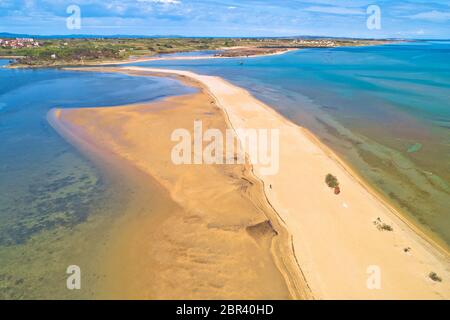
(414, 148)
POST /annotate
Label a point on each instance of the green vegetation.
(385, 227)
(64, 52)
(331, 181)
(433, 276)
(83, 51)
(382, 226)
(59, 52)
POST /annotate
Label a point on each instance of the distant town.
(19, 43)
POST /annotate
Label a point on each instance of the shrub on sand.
(331, 181)
(433, 276)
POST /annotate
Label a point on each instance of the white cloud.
(117, 7)
(5, 3)
(436, 16)
(419, 32)
(336, 10)
(162, 1)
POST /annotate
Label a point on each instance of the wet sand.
(335, 238)
(189, 232)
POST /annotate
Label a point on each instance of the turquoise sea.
(384, 109)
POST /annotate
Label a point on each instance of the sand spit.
(340, 248)
(210, 234)
(336, 238)
(193, 57)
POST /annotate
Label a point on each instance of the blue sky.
(402, 19)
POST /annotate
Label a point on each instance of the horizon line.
(87, 35)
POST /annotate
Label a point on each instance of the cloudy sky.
(403, 19)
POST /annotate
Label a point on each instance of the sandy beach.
(196, 232)
(255, 236)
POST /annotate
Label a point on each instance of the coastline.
(138, 60)
(306, 236)
(162, 58)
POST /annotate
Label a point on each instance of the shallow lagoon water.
(55, 205)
